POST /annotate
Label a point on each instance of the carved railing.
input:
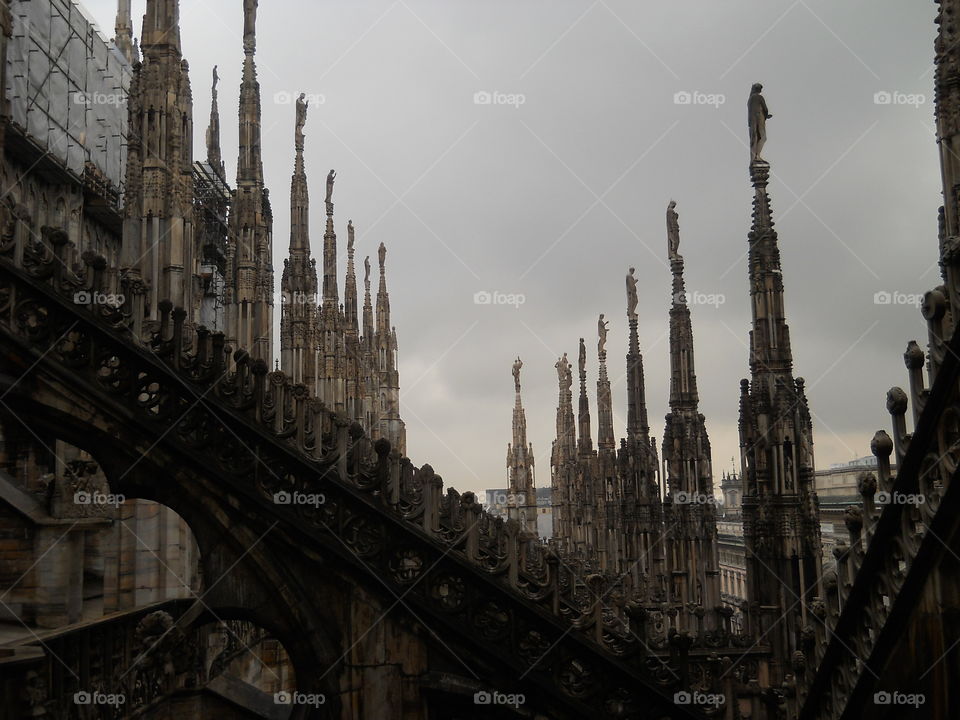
(499, 592)
(108, 669)
(881, 573)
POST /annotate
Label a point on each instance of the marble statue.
(301, 118)
(516, 372)
(757, 117)
(673, 230)
(582, 360)
(331, 176)
(602, 334)
(631, 294)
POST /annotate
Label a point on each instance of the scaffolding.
(67, 88)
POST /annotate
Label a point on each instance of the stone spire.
(638, 464)
(638, 428)
(391, 426)
(249, 287)
(355, 376)
(683, 380)
(367, 304)
(781, 524)
(585, 443)
(522, 494)
(563, 460)
(947, 114)
(605, 436)
(214, 154)
(299, 193)
(350, 286)
(123, 37)
(157, 260)
(298, 284)
(331, 294)
(250, 160)
(692, 555)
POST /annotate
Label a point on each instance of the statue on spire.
(249, 25)
(366, 271)
(631, 294)
(602, 335)
(516, 373)
(582, 359)
(382, 252)
(563, 373)
(673, 230)
(216, 79)
(331, 176)
(301, 120)
(350, 238)
(757, 117)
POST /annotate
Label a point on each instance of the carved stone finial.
(517, 365)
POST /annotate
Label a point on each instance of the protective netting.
(67, 86)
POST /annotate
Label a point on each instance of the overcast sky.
(552, 190)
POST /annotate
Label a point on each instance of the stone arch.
(248, 574)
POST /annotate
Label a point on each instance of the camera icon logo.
(882, 698)
(282, 498)
(682, 698)
(282, 698)
(882, 298)
(82, 698)
(482, 698)
(482, 298)
(82, 298)
(482, 97)
(882, 98)
(682, 98)
(82, 498)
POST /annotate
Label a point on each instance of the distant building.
(836, 489)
